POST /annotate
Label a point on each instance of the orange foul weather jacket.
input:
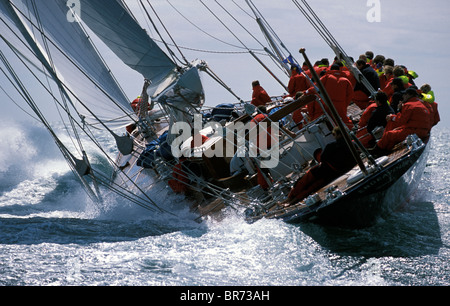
(340, 90)
(260, 96)
(414, 118)
(298, 82)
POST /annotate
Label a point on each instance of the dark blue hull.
(375, 197)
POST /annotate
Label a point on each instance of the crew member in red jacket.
(340, 90)
(297, 83)
(260, 96)
(414, 118)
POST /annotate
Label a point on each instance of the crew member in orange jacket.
(137, 103)
(314, 109)
(398, 72)
(260, 117)
(340, 90)
(297, 83)
(260, 96)
(136, 106)
(414, 118)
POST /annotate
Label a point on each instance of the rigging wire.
(17, 104)
(226, 27)
(253, 36)
(277, 63)
(186, 62)
(69, 157)
(244, 11)
(119, 106)
(71, 160)
(63, 94)
(201, 30)
(326, 35)
(172, 54)
(34, 107)
(68, 90)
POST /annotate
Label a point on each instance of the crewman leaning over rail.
(429, 97)
(414, 118)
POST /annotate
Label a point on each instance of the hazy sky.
(414, 33)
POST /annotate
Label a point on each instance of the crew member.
(340, 90)
(429, 97)
(263, 174)
(414, 118)
(374, 116)
(335, 160)
(260, 96)
(180, 181)
(398, 88)
(298, 82)
(387, 76)
(362, 94)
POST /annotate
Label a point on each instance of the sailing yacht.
(171, 141)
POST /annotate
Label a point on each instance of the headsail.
(113, 24)
(73, 60)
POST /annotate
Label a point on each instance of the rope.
(72, 62)
(157, 31)
(323, 31)
(25, 95)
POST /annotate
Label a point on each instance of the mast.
(278, 56)
(323, 31)
(335, 114)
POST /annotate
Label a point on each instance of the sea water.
(51, 234)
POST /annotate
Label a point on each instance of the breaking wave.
(35, 180)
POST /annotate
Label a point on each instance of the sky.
(413, 32)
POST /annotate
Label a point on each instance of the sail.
(17, 36)
(112, 23)
(70, 56)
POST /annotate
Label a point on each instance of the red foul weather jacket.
(260, 96)
(298, 82)
(340, 90)
(414, 118)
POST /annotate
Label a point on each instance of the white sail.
(112, 23)
(17, 36)
(73, 59)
